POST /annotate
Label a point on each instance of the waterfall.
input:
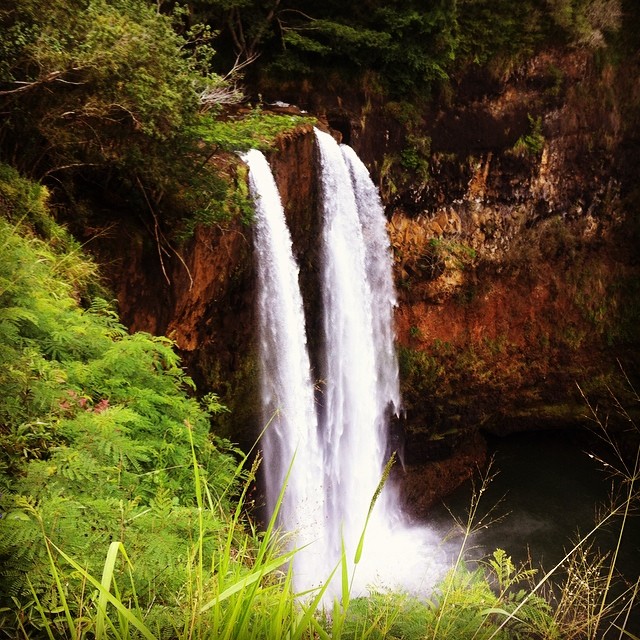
(379, 262)
(290, 443)
(360, 368)
(339, 448)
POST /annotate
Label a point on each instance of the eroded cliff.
(516, 253)
(512, 212)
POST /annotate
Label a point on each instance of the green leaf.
(254, 576)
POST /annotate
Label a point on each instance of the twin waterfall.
(326, 440)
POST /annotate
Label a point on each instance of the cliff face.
(201, 294)
(517, 261)
(513, 218)
(512, 208)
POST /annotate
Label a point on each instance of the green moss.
(420, 374)
(255, 130)
(454, 254)
(532, 142)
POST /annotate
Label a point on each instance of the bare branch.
(304, 15)
(53, 76)
(26, 86)
(223, 94)
(74, 165)
(156, 230)
(238, 65)
(160, 237)
(227, 91)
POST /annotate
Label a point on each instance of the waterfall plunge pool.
(548, 487)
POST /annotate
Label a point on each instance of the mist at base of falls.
(547, 490)
(330, 448)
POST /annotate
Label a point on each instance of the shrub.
(98, 430)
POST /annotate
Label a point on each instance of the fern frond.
(17, 316)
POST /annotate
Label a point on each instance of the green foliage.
(255, 130)
(455, 255)
(501, 34)
(586, 22)
(97, 428)
(531, 143)
(411, 167)
(22, 200)
(108, 93)
(498, 30)
(470, 611)
(408, 45)
(421, 376)
(412, 48)
(89, 76)
(506, 573)
(416, 157)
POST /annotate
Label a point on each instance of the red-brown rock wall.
(514, 232)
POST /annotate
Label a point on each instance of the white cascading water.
(361, 378)
(340, 451)
(287, 390)
(348, 422)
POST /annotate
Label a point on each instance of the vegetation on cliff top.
(408, 45)
(109, 104)
(118, 106)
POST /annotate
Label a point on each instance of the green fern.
(534, 617)
(505, 572)
(95, 446)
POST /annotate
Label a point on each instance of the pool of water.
(547, 490)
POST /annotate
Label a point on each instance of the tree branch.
(159, 237)
(53, 76)
(26, 86)
(70, 166)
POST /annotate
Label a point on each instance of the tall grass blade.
(249, 579)
(107, 575)
(631, 494)
(383, 479)
(345, 578)
(39, 607)
(310, 611)
(56, 577)
(127, 614)
(626, 634)
(320, 631)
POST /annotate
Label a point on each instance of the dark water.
(548, 490)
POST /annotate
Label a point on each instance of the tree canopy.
(117, 100)
(410, 44)
(405, 42)
(117, 91)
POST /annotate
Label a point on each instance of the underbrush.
(236, 582)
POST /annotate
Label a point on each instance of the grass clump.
(253, 130)
(532, 142)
